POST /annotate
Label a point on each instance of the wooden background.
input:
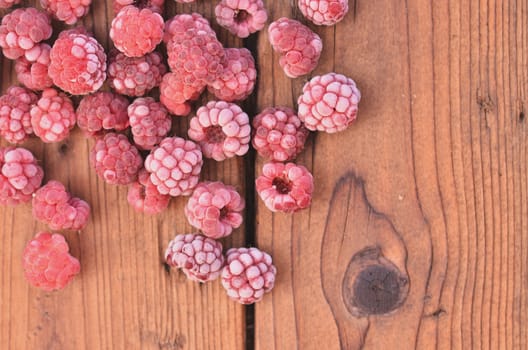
(430, 184)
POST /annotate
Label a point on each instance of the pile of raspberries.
(134, 145)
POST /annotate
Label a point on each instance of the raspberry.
(285, 187)
(47, 263)
(68, 11)
(175, 92)
(299, 47)
(115, 159)
(248, 274)
(199, 257)
(238, 76)
(153, 5)
(149, 121)
(324, 12)
(32, 68)
(135, 76)
(215, 209)
(5, 4)
(179, 24)
(222, 130)
(22, 29)
(278, 134)
(241, 17)
(102, 111)
(15, 121)
(54, 206)
(329, 103)
(136, 32)
(78, 63)
(143, 195)
(53, 116)
(20, 175)
(175, 166)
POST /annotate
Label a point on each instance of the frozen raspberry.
(179, 24)
(238, 76)
(149, 122)
(175, 166)
(329, 103)
(68, 11)
(278, 134)
(102, 111)
(153, 5)
(175, 92)
(324, 12)
(53, 116)
(5, 4)
(144, 197)
(15, 120)
(248, 274)
(222, 130)
(32, 68)
(22, 29)
(47, 263)
(135, 76)
(20, 175)
(285, 187)
(115, 159)
(78, 63)
(199, 257)
(299, 47)
(54, 206)
(241, 17)
(136, 32)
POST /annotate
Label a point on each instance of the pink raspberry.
(278, 134)
(115, 159)
(222, 130)
(20, 175)
(68, 11)
(175, 166)
(78, 63)
(22, 29)
(47, 263)
(238, 76)
(248, 274)
(54, 206)
(329, 103)
(135, 76)
(241, 17)
(15, 120)
(299, 47)
(144, 197)
(102, 111)
(136, 32)
(53, 116)
(5, 4)
(215, 209)
(32, 68)
(153, 5)
(149, 121)
(179, 24)
(285, 187)
(199, 257)
(324, 12)
(175, 92)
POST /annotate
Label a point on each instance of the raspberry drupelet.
(179, 24)
(285, 187)
(299, 47)
(175, 92)
(278, 134)
(149, 121)
(248, 274)
(68, 11)
(329, 103)
(222, 130)
(175, 166)
(144, 197)
(102, 111)
(15, 120)
(5, 4)
(237, 80)
(153, 5)
(22, 29)
(241, 17)
(199, 257)
(215, 209)
(20, 175)
(53, 116)
(115, 159)
(47, 262)
(324, 12)
(32, 68)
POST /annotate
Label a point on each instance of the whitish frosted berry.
(324, 12)
(15, 120)
(102, 111)
(20, 175)
(241, 17)
(53, 116)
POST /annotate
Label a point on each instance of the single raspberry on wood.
(176, 90)
(144, 197)
(215, 209)
(68, 11)
(179, 24)
(248, 274)
(324, 12)
(199, 257)
(5, 4)
(53, 116)
(149, 121)
(47, 262)
(102, 111)
(32, 68)
(153, 5)
(241, 17)
(15, 120)
(20, 175)
(329, 103)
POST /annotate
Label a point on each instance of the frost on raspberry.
(241, 17)
(32, 68)
(149, 121)
(153, 5)
(68, 11)
(53, 116)
(179, 24)
(102, 111)
(144, 197)
(329, 103)
(15, 120)
(324, 12)
(221, 129)
(176, 91)
(20, 175)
